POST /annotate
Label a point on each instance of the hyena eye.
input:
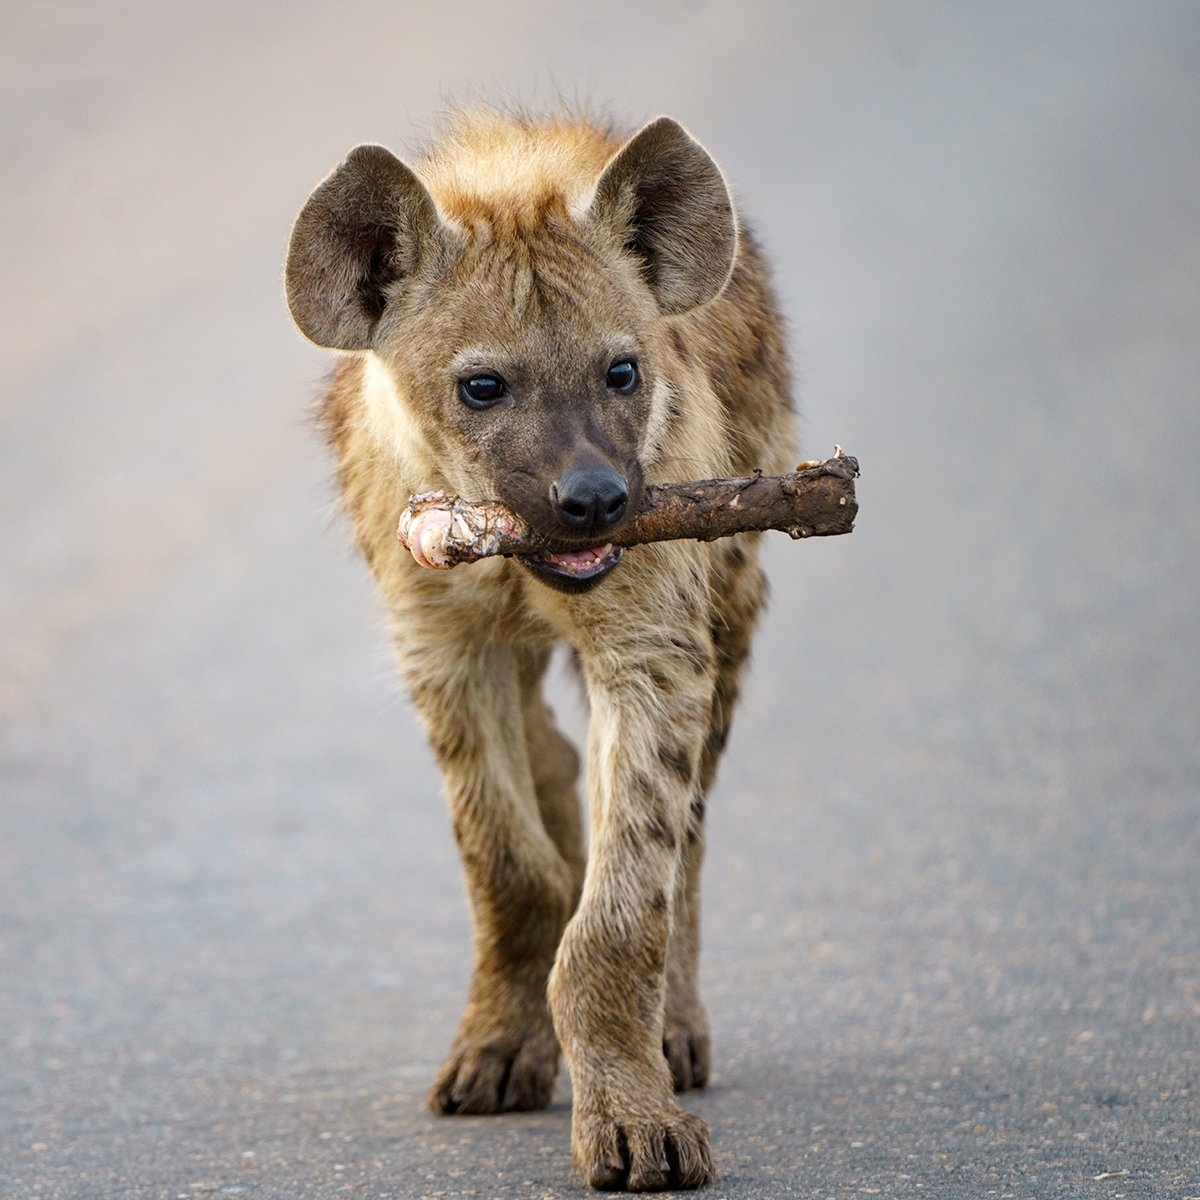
(482, 391)
(622, 376)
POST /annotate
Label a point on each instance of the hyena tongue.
(583, 562)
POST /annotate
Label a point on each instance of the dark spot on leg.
(660, 831)
(675, 760)
(694, 653)
(717, 739)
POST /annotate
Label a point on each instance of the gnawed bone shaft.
(441, 531)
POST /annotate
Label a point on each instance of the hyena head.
(521, 322)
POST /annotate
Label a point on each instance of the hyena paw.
(689, 1055)
(641, 1154)
(498, 1075)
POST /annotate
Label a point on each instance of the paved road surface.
(953, 928)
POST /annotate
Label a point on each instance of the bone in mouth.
(815, 500)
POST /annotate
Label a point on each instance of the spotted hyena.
(545, 312)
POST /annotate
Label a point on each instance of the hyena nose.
(589, 500)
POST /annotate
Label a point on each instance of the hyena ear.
(363, 230)
(666, 197)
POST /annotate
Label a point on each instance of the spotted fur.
(540, 249)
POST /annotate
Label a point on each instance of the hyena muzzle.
(545, 313)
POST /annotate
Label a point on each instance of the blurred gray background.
(953, 945)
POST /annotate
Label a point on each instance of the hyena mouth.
(574, 570)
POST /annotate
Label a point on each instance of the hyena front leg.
(607, 989)
(521, 888)
(738, 596)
